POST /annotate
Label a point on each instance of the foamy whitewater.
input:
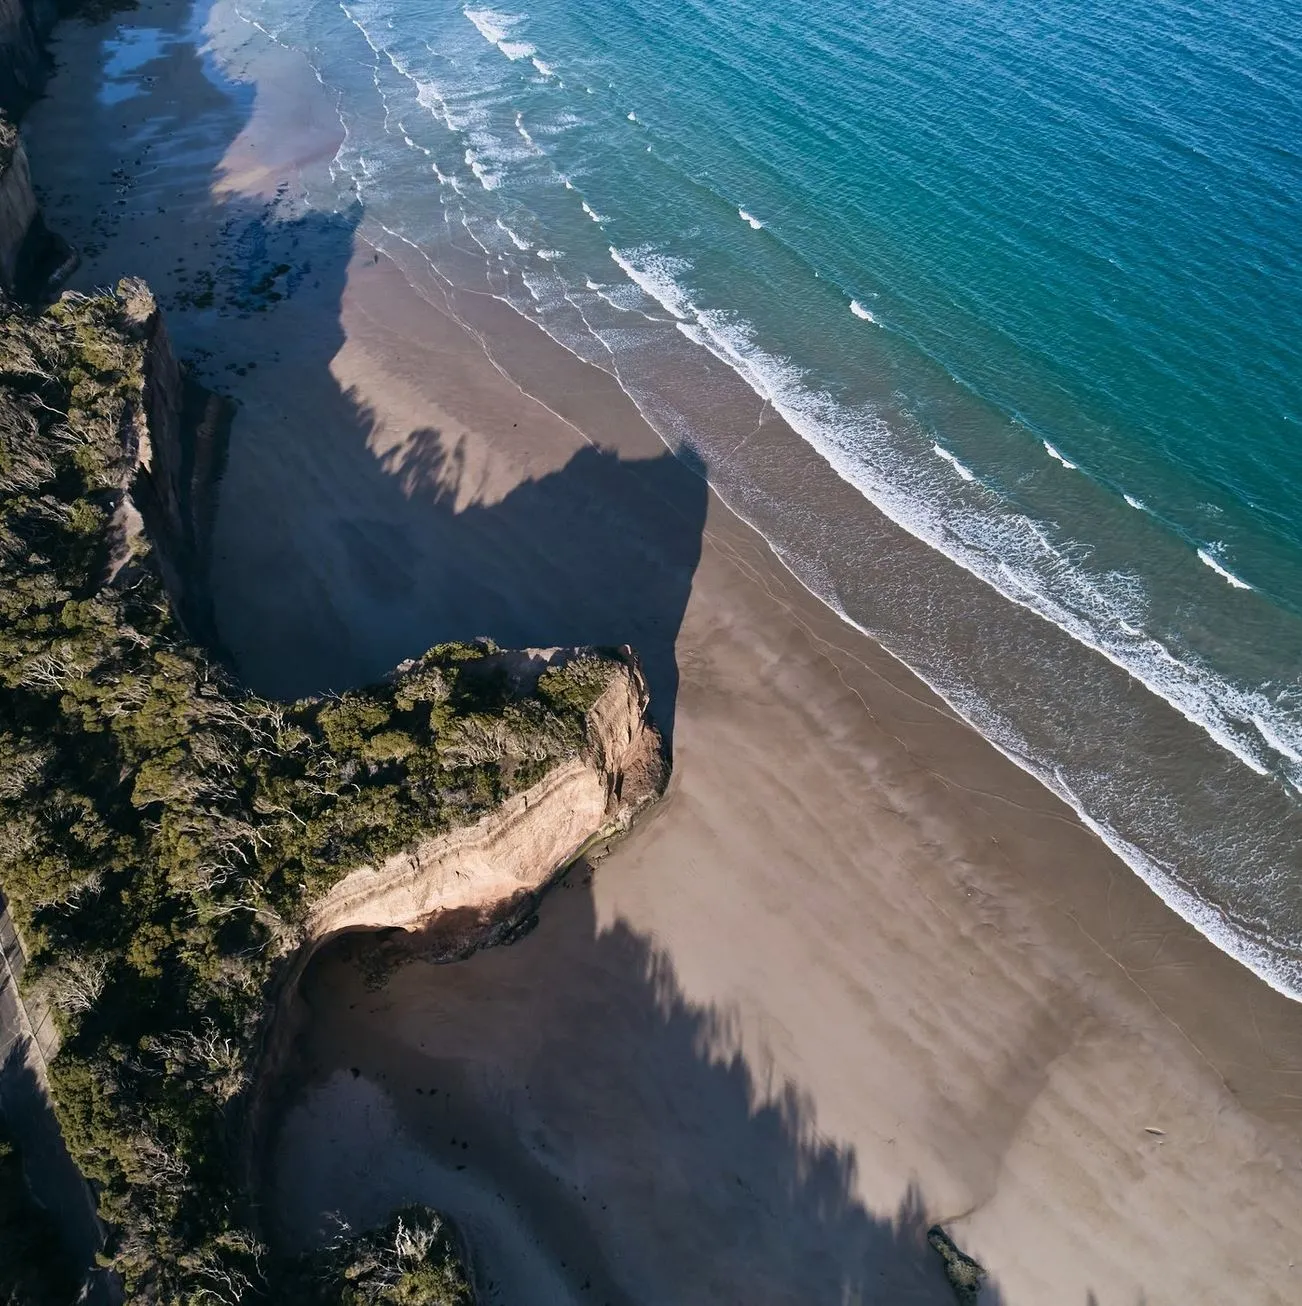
(1042, 319)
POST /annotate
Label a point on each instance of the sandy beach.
(858, 973)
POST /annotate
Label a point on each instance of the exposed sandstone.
(519, 847)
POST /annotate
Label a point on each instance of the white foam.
(488, 180)
(545, 69)
(750, 220)
(592, 285)
(1279, 745)
(496, 28)
(1053, 453)
(953, 462)
(596, 217)
(551, 255)
(860, 312)
(632, 117)
(524, 131)
(518, 241)
(1135, 503)
(1222, 572)
(656, 275)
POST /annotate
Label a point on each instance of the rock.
(964, 1274)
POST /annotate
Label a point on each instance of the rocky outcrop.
(481, 875)
(19, 211)
(518, 848)
(29, 253)
(176, 443)
(965, 1275)
(32, 258)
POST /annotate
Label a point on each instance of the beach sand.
(857, 973)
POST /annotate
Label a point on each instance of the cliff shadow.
(347, 540)
(54, 1185)
(598, 1135)
(349, 532)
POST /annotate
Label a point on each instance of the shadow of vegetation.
(571, 1107)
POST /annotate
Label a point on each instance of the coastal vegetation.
(163, 833)
(413, 1261)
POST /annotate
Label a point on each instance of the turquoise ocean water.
(1028, 276)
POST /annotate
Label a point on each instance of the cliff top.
(163, 833)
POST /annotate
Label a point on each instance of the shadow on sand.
(615, 1123)
(341, 544)
(570, 1106)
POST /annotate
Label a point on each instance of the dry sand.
(857, 973)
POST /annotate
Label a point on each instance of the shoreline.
(795, 734)
(1149, 756)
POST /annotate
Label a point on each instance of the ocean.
(1027, 276)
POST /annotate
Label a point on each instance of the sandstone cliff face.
(519, 847)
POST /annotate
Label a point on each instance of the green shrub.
(413, 1261)
(163, 832)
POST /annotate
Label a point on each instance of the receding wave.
(817, 418)
(656, 275)
(496, 27)
(516, 239)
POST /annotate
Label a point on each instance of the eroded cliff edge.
(458, 890)
(173, 847)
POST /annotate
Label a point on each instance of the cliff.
(24, 25)
(516, 849)
(29, 253)
(31, 256)
(174, 441)
(18, 208)
(173, 847)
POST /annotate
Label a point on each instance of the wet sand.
(857, 973)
